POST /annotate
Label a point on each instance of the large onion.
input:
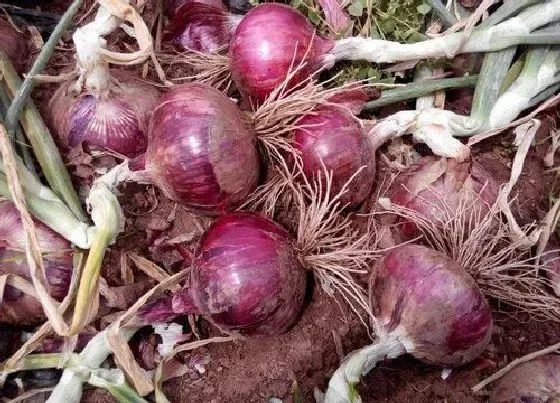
(113, 117)
(17, 307)
(246, 278)
(331, 136)
(439, 188)
(426, 305)
(201, 152)
(269, 40)
(535, 381)
(14, 45)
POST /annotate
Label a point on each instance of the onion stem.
(48, 208)
(495, 67)
(39, 361)
(107, 215)
(420, 88)
(341, 387)
(508, 9)
(511, 32)
(43, 145)
(19, 136)
(69, 389)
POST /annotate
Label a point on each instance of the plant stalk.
(443, 13)
(504, 35)
(420, 88)
(45, 149)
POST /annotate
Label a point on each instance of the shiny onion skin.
(18, 308)
(534, 381)
(269, 40)
(433, 186)
(14, 45)
(246, 277)
(201, 27)
(115, 119)
(201, 152)
(333, 136)
(432, 304)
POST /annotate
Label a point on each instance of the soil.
(290, 366)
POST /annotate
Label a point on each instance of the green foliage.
(399, 19)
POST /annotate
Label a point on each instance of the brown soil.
(306, 356)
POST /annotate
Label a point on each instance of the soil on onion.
(306, 356)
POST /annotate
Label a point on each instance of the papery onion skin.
(14, 45)
(246, 277)
(271, 39)
(435, 187)
(201, 27)
(201, 151)
(115, 119)
(432, 304)
(534, 381)
(333, 137)
(18, 308)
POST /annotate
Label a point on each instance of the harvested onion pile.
(220, 153)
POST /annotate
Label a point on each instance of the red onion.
(173, 6)
(201, 26)
(270, 40)
(201, 151)
(436, 188)
(426, 305)
(18, 308)
(333, 137)
(246, 278)
(537, 380)
(14, 45)
(114, 117)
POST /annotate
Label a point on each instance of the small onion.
(246, 278)
(534, 381)
(201, 27)
(434, 187)
(18, 308)
(332, 136)
(201, 151)
(115, 118)
(14, 45)
(269, 40)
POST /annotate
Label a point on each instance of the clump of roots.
(200, 67)
(330, 244)
(485, 247)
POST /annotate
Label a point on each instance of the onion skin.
(536, 381)
(18, 308)
(201, 151)
(551, 262)
(334, 137)
(269, 40)
(115, 119)
(247, 277)
(429, 300)
(173, 6)
(434, 186)
(14, 45)
(201, 27)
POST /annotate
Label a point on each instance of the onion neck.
(342, 386)
(89, 43)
